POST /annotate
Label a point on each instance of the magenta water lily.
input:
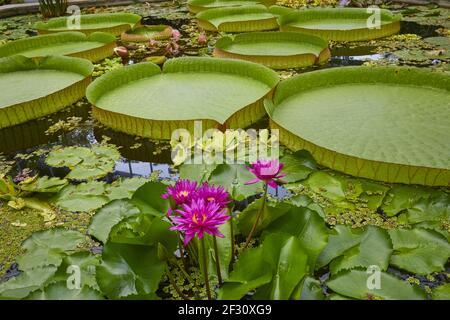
(182, 192)
(199, 217)
(267, 171)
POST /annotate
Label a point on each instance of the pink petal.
(256, 180)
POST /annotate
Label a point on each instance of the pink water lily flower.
(153, 44)
(199, 217)
(176, 35)
(216, 194)
(267, 171)
(182, 192)
(202, 38)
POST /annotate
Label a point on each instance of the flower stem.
(258, 217)
(174, 285)
(205, 268)
(216, 251)
(232, 236)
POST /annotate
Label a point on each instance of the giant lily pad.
(278, 50)
(341, 24)
(196, 6)
(238, 19)
(114, 23)
(32, 89)
(384, 123)
(94, 47)
(146, 33)
(142, 100)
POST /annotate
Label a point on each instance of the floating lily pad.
(94, 47)
(145, 101)
(277, 50)
(383, 123)
(146, 33)
(32, 89)
(196, 6)
(114, 23)
(238, 19)
(85, 163)
(341, 24)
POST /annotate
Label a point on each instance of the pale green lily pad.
(382, 123)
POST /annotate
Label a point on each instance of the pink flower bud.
(121, 51)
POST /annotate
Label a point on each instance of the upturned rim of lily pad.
(390, 22)
(162, 129)
(205, 19)
(222, 49)
(162, 32)
(368, 160)
(119, 22)
(51, 102)
(106, 49)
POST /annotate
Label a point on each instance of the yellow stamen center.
(183, 193)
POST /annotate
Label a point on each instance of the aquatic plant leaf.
(235, 91)
(249, 272)
(415, 154)
(276, 50)
(196, 172)
(339, 24)
(340, 239)
(353, 284)
(83, 197)
(276, 268)
(52, 83)
(375, 248)
(85, 163)
(301, 200)
(247, 217)
(233, 178)
(125, 188)
(401, 197)
(311, 290)
(109, 216)
(196, 6)
(83, 261)
(129, 271)
(419, 251)
(48, 247)
(59, 291)
(114, 23)
(94, 47)
(148, 198)
(433, 208)
(44, 184)
(145, 229)
(237, 19)
(298, 165)
(146, 33)
(27, 282)
(441, 293)
(307, 226)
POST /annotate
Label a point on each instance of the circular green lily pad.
(146, 33)
(238, 19)
(143, 100)
(341, 24)
(32, 89)
(196, 6)
(94, 47)
(384, 123)
(114, 23)
(277, 50)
